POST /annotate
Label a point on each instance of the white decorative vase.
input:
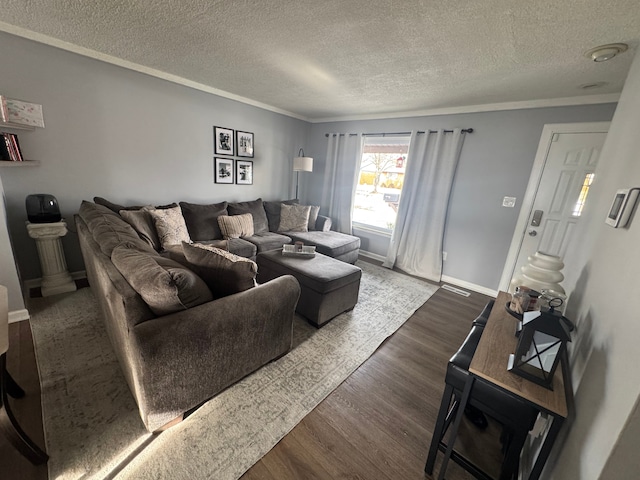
(541, 273)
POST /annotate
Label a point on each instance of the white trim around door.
(532, 187)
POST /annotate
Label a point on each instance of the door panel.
(571, 156)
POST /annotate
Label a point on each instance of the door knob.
(532, 233)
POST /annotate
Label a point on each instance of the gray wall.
(128, 137)
(602, 276)
(496, 161)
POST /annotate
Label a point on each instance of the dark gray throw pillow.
(202, 220)
(223, 272)
(273, 212)
(115, 207)
(165, 285)
(256, 209)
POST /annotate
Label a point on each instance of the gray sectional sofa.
(201, 222)
(179, 339)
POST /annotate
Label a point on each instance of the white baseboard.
(470, 286)
(373, 256)
(19, 315)
(37, 282)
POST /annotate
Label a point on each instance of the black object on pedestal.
(42, 208)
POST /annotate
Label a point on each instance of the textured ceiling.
(321, 59)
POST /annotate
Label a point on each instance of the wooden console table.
(489, 364)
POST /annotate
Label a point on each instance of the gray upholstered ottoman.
(328, 286)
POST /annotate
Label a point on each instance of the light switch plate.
(509, 202)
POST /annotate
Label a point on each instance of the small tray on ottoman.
(291, 251)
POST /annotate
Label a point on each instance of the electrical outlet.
(509, 202)
(444, 256)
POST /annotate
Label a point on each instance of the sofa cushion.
(268, 241)
(333, 244)
(142, 221)
(107, 228)
(165, 285)
(256, 209)
(202, 220)
(236, 226)
(223, 272)
(115, 207)
(272, 209)
(294, 218)
(313, 217)
(170, 225)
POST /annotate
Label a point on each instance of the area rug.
(92, 428)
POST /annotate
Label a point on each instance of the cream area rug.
(91, 422)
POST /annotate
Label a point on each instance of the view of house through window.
(384, 160)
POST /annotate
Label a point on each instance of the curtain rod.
(465, 130)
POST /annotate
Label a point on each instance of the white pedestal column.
(55, 276)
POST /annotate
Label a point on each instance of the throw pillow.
(170, 226)
(294, 218)
(223, 272)
(114, 207)
(256, 209)
(236, 226)
(202, 220)
(142, 221)
(273, 212)
(313, 217)
(165, 285)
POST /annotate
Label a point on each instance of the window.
(582, 198)
(382, 167)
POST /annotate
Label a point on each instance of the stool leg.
(13, 389)
(9, 426)
(439, 429)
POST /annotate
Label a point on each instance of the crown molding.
(490, 107)
(86, 52)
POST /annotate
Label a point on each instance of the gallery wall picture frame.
(223, 141)
(244, 172)
(244, 144)
(223, 170)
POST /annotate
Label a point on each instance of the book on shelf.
(4, 112)
(21, 113)
(10, 148)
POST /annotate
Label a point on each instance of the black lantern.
(541, 344)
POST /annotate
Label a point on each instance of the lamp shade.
(4, 319)
(303, 164)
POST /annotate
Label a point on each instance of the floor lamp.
(301, 164)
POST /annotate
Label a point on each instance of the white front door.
(559, 187)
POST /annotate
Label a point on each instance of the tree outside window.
(380, 181)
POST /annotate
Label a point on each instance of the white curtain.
(344, 154)
(416, 243)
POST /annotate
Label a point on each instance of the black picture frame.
(223, 141)
(244, 172)
(244, 144)
(223, 170)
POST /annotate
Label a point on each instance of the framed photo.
(223, 141)
(223, 170)
(244, 144)
(244, 172)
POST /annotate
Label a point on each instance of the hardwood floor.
(376, 425)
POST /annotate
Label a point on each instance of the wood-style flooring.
(376, 425)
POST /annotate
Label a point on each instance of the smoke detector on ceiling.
(606, 52)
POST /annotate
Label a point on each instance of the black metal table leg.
(9, 426)
(546, 447)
